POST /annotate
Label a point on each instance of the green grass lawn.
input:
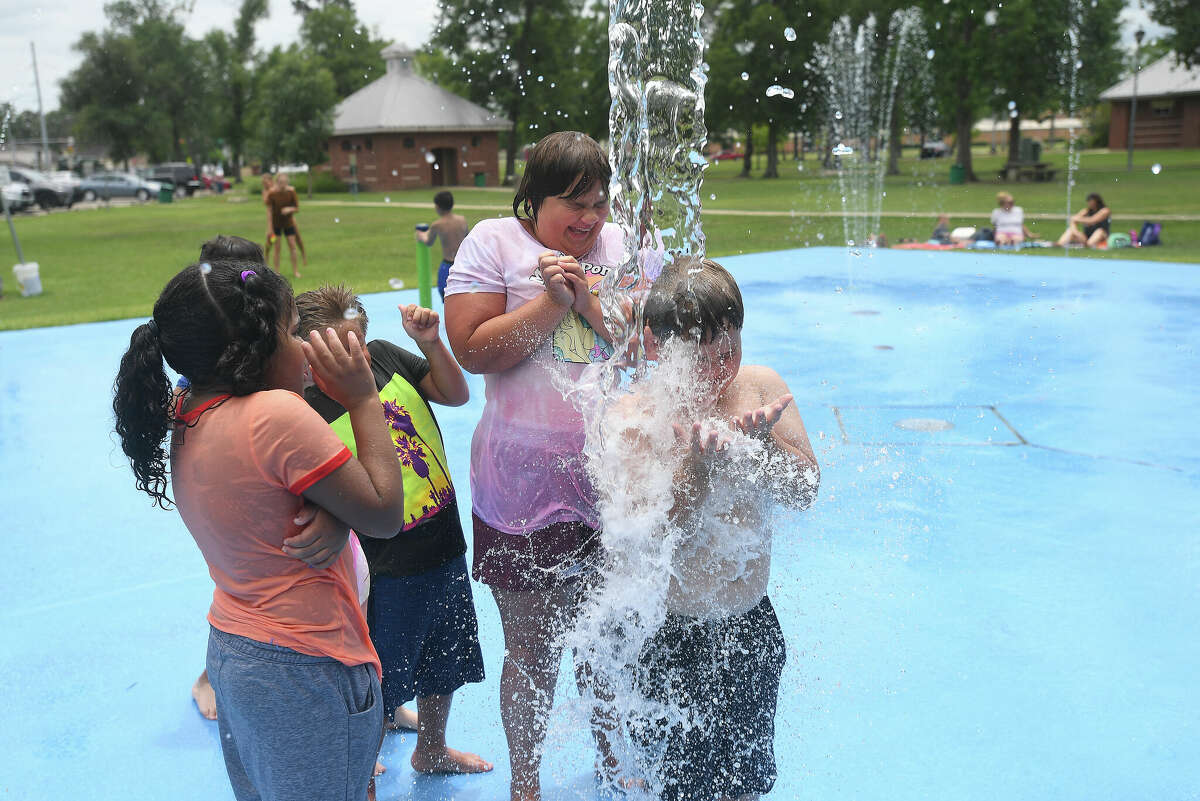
(102, 264)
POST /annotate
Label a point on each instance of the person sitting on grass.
(1096, 219)
(1008, 222)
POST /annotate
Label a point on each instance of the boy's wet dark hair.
(444, 201)
(693, 297)
(216, 322)
(231, 247)
(557, 160)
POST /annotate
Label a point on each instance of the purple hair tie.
(246, 274)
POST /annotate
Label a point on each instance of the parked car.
(17, 196)
(216, 182)
(934, 149)
(47, 192)
(184, 178)
(727, 155)
(118, 184)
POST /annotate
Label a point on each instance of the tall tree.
(293, 118)
(342, 44)
(233, 62)
(772, 45)
(1184, 17)
(141, 84)
(521, 58)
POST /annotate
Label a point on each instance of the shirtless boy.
(719, 655)
(452, 228)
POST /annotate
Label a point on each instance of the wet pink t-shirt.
(527, 468)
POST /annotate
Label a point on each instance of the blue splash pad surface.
(1003, 609)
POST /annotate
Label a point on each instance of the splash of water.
(1072, 57)
(863, 80)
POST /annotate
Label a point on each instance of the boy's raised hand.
(702, 441)
(342, 374)
(420, 323)
(760, 421)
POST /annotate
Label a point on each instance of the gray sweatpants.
(293, 726)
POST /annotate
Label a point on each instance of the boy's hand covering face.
(760, 421)
(343, 373)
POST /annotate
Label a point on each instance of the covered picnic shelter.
(402, 131)
(1168, 107)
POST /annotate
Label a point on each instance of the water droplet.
(1156, 169)
(336, 220)
(1014, 114)
(351, 313)
(789, 34)
(929, 54)
(799, 168)
(837, 115)
(396, 283)
(745, 76)
(395, 172)
(1012, 104)
(775, 90)
(205, 268)
(820, 235)
(541, 78)
(387, 199)
(842, 150)
(429, 157)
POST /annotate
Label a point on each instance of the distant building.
(995, 131)
(403, 132)
(1168, 107)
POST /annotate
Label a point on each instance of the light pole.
(1137, 46)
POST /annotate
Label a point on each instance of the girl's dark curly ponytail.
(218, 324)
(142, 405)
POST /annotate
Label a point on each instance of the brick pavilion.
(404, 132)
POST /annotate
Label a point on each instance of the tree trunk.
(795, 146)
(748, 158)
(1014, 139)
(772, 170)
(514, 110)
(894, 143)
(962, 141)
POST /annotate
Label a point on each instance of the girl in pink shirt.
(295, 676)
(520, 310)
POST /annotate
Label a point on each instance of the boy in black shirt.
(420, 610)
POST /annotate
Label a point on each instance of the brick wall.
(398, 160)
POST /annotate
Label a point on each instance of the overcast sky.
(54, 25)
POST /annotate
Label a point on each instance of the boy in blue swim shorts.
(452, 228)
(420, 611)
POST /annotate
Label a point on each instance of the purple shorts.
(540, 560)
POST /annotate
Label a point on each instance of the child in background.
(452, 228)
(284, 205)
(941, 231)
(719, 655)
(421, 613)
(288, 643)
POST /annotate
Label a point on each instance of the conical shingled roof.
(402, 101)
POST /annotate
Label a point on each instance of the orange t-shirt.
(237, 472)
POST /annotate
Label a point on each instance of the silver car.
(105, 185)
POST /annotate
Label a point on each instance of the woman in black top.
(1095, 218)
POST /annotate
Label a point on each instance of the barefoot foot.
(447, 760)
(205, 698)
(403, 718)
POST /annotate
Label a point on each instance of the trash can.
(958, 174)
(166, 194)
(481, 179)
